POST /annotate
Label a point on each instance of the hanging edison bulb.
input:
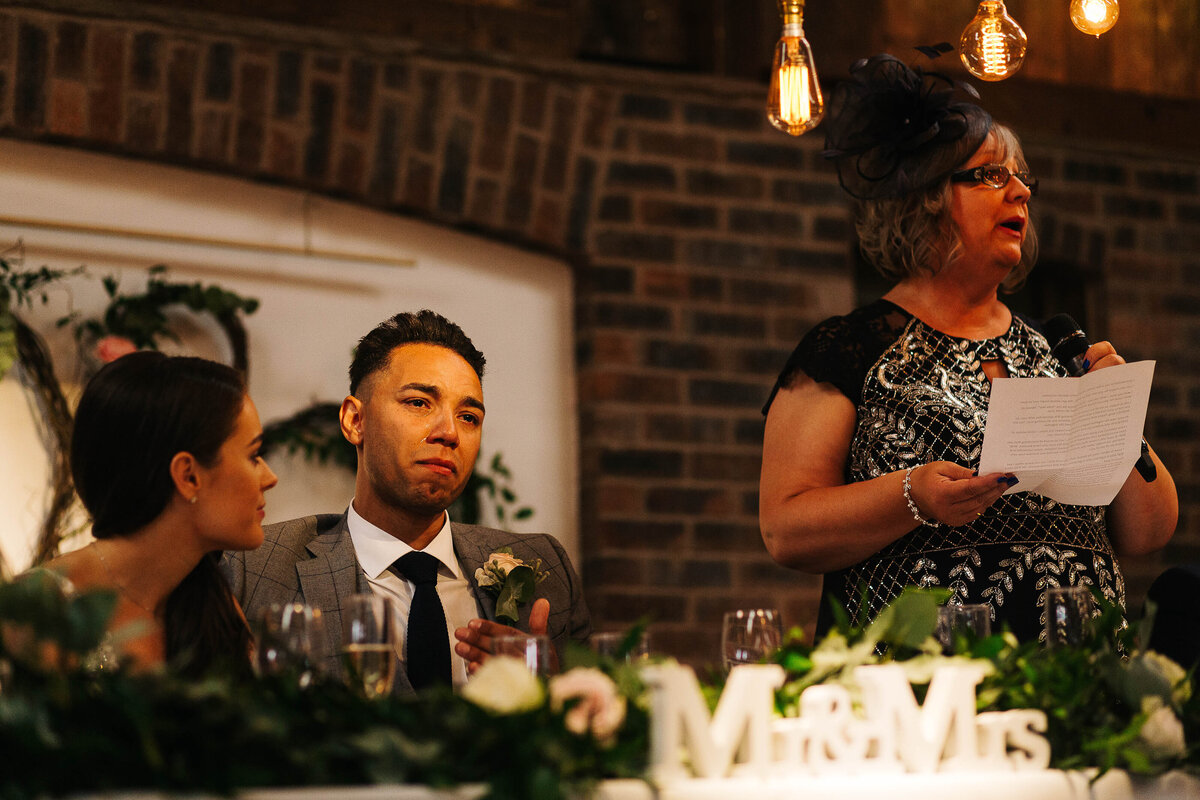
(794, 104)
(993, 45)
(1094, 16)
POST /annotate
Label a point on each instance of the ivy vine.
(142, 319)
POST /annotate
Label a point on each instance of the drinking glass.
(615, 645)
(954, 620)
(749, 635)
(531, 650)
(1068, 615)
(369, 644)
(291, 637)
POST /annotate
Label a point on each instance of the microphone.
(1069, 344)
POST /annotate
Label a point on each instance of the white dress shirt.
(377, 550)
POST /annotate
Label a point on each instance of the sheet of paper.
(1073, 440)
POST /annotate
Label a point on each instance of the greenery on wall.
(20, 344)
(128, 322)
(141, 320)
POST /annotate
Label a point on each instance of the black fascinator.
(892, 129)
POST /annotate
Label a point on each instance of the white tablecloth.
(1047, 785)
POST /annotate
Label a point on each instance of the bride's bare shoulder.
(79, 567)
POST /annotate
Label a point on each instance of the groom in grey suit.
(415, 415)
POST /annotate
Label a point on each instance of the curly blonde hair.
(912, 235)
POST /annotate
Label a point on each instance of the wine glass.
(291, 637)
(531, 650)
(954, 620)
(749, 635)
(617, 645)
(1068, 615)
(369, 643)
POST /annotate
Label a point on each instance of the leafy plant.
(119, 730)
(21, 344)
(1107, 703)
(1098, 697)
(20, 288)
(142, 319)
(493, 486)
(313, 432)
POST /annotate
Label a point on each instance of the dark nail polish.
(1002, 479)
(1012, 480)
(1086, 365)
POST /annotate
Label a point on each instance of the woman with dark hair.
(165, 457)
(875, 425)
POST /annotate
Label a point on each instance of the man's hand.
(475, 641)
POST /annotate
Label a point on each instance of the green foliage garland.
(495, 486)
(19, 343)
(313, 432)
(141, 317)
(1098, 697)
(118, 730)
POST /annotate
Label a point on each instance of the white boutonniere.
(511, 580)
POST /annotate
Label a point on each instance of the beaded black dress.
(922, 396)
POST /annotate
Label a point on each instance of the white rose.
(600, 709)
(504, 685)
(1152, 674)
(1162, 733)
(1173, 674)
(504, 562)
(484, 578)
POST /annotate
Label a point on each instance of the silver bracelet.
(933, 523)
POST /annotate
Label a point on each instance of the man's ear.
(351, 418)
(185, 474)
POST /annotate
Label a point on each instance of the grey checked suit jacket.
(311, 560)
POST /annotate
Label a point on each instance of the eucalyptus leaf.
(518, 588)
(910, 619)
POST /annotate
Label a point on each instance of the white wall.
(516, 306)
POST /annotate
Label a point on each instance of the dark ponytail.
(203, 628)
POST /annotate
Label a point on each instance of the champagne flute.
(749, 635)
(291, 637)
(368, 644)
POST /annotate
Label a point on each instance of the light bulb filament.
(992, 46)
(794, 102)
(795, 107)
(995, 58)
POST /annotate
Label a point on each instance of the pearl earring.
(192, 499)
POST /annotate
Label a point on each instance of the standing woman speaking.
(876, 423)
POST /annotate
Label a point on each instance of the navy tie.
(427, 643)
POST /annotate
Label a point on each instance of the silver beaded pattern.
(925, 399)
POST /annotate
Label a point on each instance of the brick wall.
(704, 244)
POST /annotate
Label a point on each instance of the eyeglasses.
(995, 175)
